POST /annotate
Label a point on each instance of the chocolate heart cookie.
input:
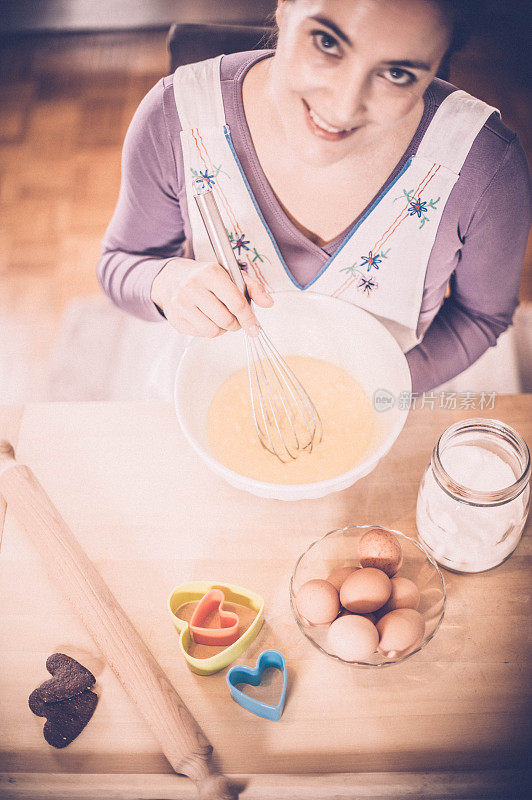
(65, 700)
(69, 678)
(65, 719)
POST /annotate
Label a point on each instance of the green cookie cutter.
(194, 591)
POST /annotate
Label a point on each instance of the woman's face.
(347, 72)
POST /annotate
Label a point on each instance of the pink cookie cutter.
(227, 633)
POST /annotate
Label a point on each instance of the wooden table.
(452, 721)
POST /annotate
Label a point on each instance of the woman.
(342, 166)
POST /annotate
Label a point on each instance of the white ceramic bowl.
(303, 324)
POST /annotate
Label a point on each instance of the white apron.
(381, 265)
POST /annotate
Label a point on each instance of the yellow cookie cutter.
(188, 592)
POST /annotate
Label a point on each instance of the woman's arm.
(142, 267)
(485, 284)
(147, 227)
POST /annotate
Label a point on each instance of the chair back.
(188, 43)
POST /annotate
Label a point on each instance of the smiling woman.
(343, 166)
(359, 72)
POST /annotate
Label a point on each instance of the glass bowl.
(339, 548)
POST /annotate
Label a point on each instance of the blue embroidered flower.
(370, 261)
(418, 207)
(241, 244)
(209, 179)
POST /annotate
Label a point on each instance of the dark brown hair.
(463, 18)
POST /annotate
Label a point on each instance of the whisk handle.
(217, 233)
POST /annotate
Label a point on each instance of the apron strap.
(453, 129)
(198, 94)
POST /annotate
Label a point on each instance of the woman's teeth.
(324, 125)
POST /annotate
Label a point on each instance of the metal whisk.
(286, 419)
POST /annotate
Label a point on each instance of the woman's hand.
(200, 299)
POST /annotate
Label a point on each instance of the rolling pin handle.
(210, 783)
(216, 787)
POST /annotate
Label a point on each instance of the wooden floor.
(66, 102)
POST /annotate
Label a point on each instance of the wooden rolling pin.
(182, 741)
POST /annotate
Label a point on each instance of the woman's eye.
(325, 43)
(399, 76)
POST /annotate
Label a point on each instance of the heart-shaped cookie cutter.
(253, 676)
(227, 633)
(194, 591)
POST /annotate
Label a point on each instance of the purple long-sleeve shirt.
(479, 244)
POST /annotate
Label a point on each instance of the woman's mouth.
(323, 129)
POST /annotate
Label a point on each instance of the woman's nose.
(351, 99)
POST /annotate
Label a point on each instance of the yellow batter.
(350, 427)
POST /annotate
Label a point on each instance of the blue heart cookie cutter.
(253, 676)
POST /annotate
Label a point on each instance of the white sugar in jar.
(474, 497)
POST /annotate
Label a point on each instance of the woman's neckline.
(267, 194)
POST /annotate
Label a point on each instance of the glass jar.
(474, 497)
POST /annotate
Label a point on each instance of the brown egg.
(352, 637)
(317, 601)
(405, 594)
(338, 576)
(401, 631)
(381, 549)
(365, 590)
